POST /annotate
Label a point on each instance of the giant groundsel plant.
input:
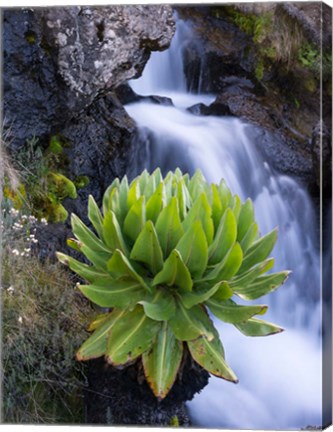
(166, 255)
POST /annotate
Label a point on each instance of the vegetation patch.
(43, 322)
(163, 253)
(44, 184)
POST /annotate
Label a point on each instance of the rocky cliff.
(60, 68)
(270, 64)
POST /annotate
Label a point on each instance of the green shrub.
(165, 252)
(44, 183)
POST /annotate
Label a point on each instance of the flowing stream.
(279, 376)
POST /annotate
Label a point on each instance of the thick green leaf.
(135, 219)
(157, 176)
(114, 204)
(130, 337)
(224, 239)
(217, 208)
(143, 180)
(196, 185)
(147, 249)
(98, 321)
(122, 200)
(250, 237)
(89, 273)
(245, 220)
(121, 293)
(168, 185)
(97, 258)
(168, 227)
(87, 237)
(261, 285)
(210, 356)
(228, 267)
(189, 324)
(162, 362)
(249, 276)
(107, 194)
(194, 250)
(256, 327)
(225, 195)
(95, 216)
(174, 273)
(119, 267)
(95, 346)
(224, 292)
(112, 233)
(74, 244)
(150, 187)
(161, 306)
(201, 211)
(230, 312)
(184, 198)
(155, 203)
(133, 193)
(190, 299)
(259, 251)
(236, 206)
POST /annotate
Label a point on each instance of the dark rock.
(158, 100)
(59, 60)
(123, 397)
(216, 108)
(282, 157)
(61, 66)
(126, 95)
(322, 155)
(101, 149)
(51, 239)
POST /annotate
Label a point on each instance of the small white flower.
(43, 221)
(10, 289)
(22, 254)
(34, 240)
(27, 249)
(15, 252)
(20, 320)
(24, 217)
(13, 212)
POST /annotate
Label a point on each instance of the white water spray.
(280, 376)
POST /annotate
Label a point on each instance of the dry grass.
(43, 323)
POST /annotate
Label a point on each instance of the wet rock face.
(57, 61)
(235, 54)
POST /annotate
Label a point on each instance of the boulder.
(58, 61)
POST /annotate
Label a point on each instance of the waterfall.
(279, 376)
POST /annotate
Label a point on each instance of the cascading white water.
(280, 376)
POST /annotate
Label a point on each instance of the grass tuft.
(43, 324)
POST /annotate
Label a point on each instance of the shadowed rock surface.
(123, 397)
(61, 66)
